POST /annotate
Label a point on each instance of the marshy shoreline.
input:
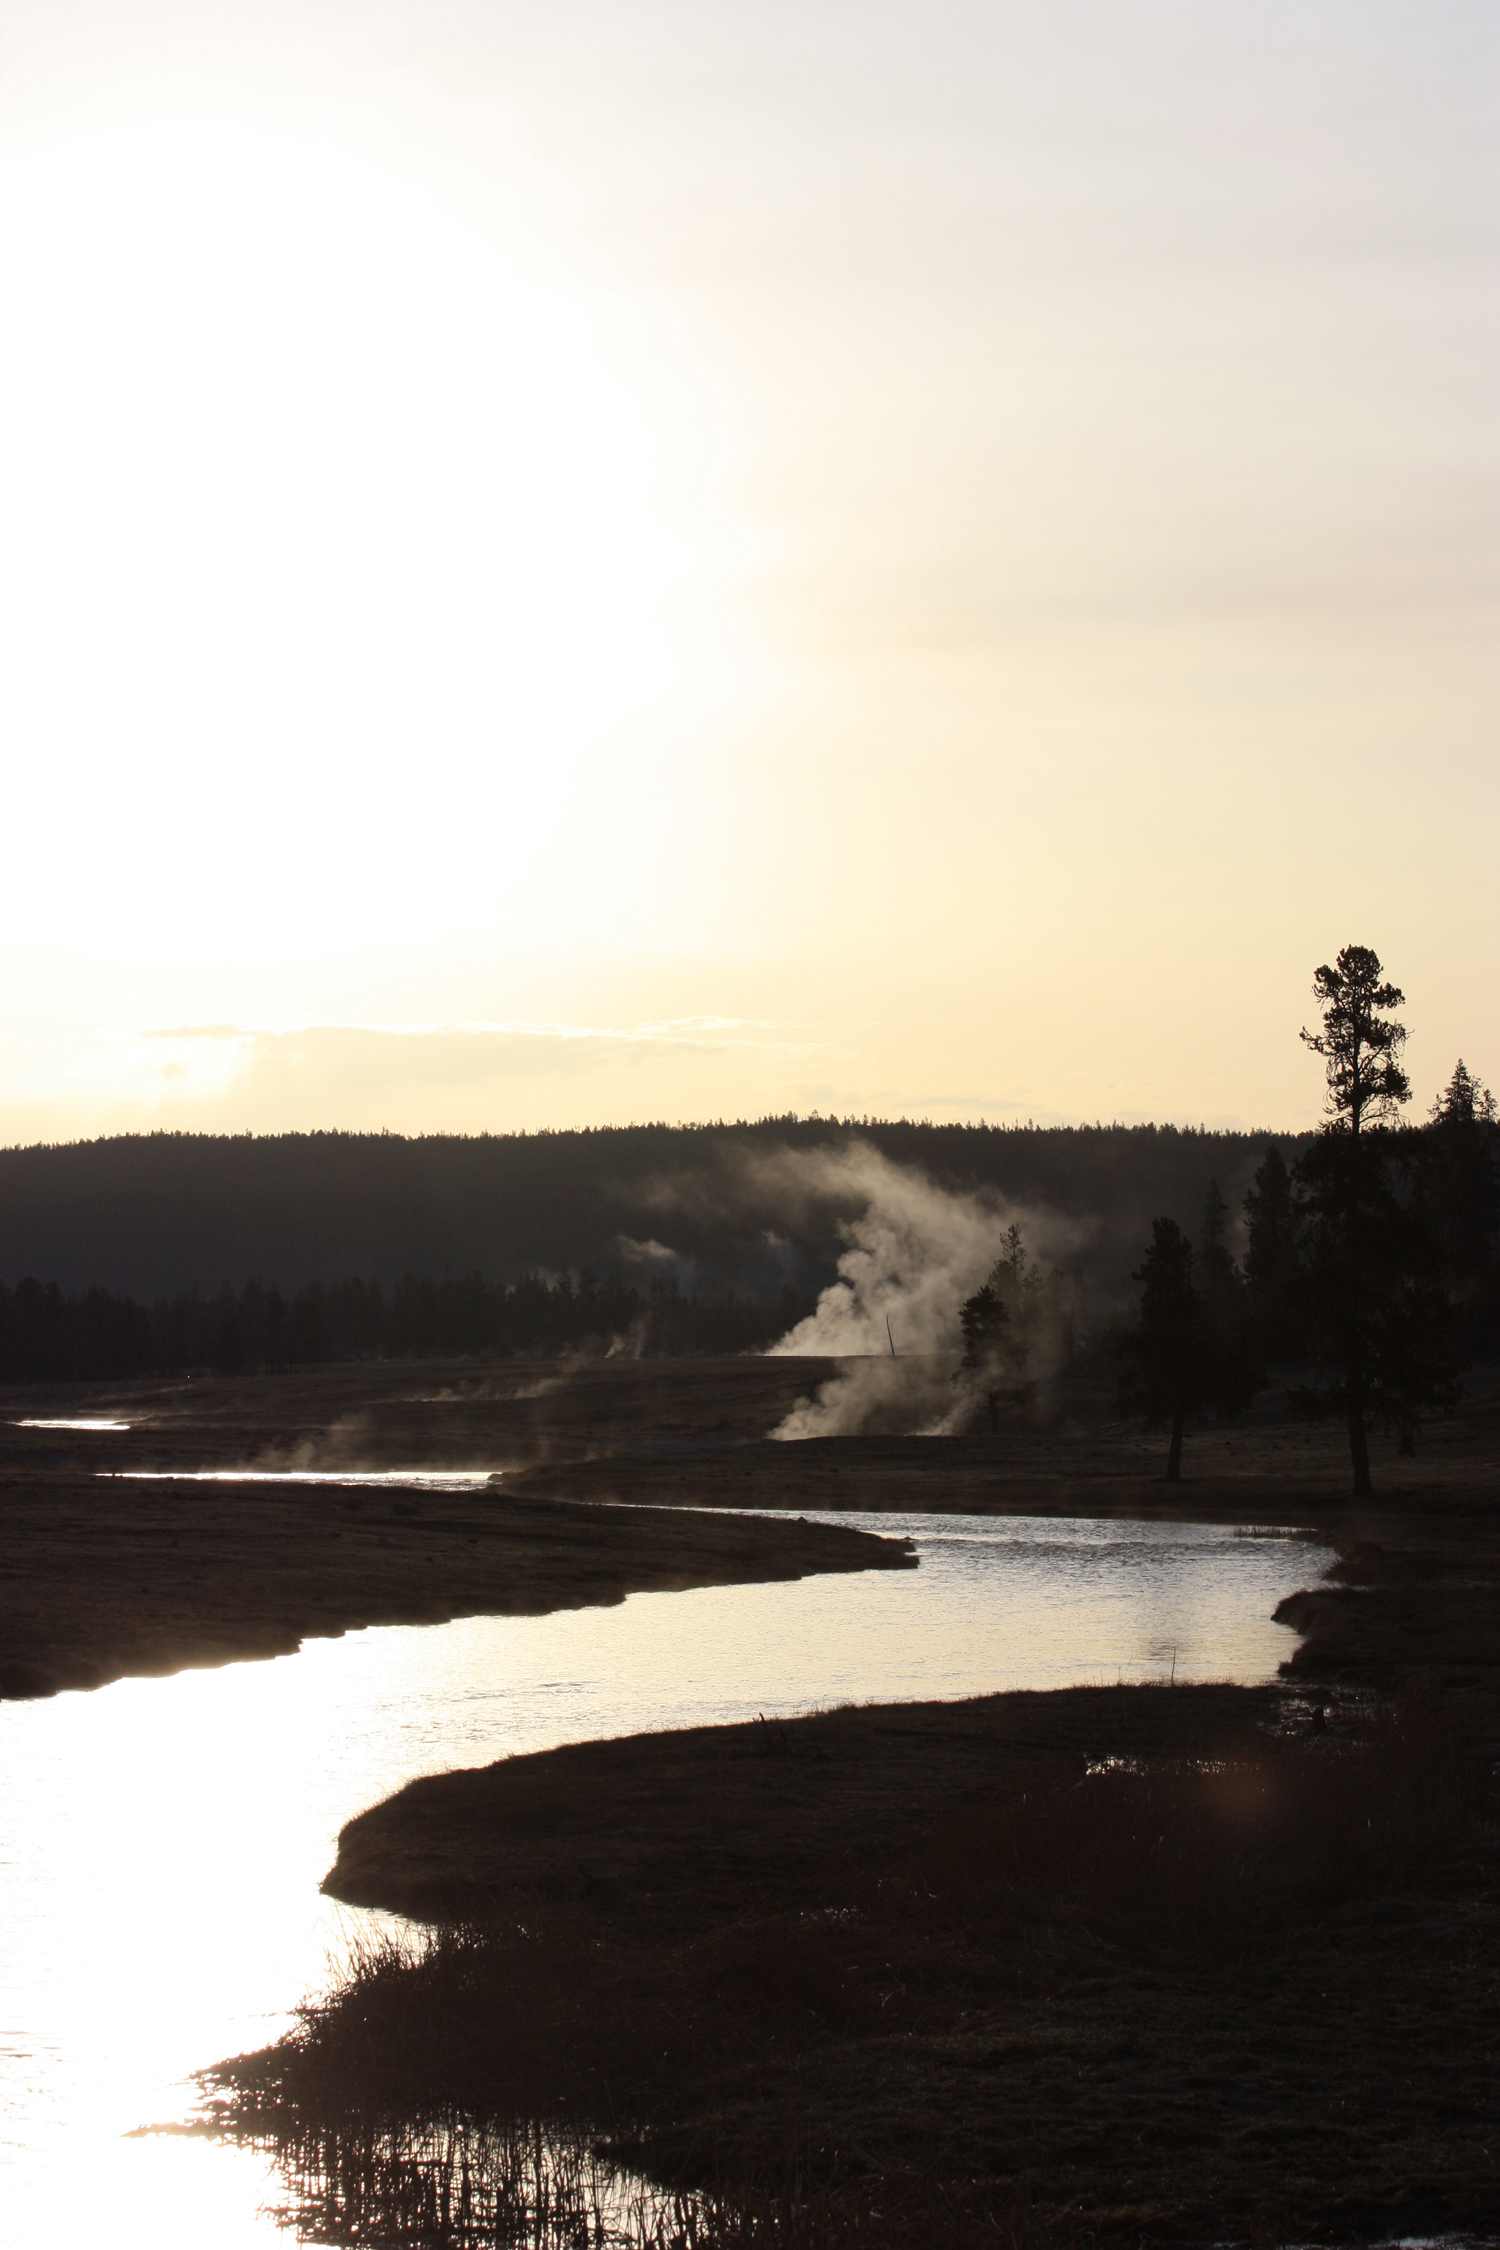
(105, 1579)
(1100, 1964)
(1146, 1964)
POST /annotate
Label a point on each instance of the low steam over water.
(164, 1840)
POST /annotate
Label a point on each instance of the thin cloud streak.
(674, 1031)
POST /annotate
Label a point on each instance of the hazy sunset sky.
(566, 563)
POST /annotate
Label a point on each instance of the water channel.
(163, 1840)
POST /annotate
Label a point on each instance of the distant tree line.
(148, 1215)
(1371, 1266)
(98, 1336)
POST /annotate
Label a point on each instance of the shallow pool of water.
(163, 1840)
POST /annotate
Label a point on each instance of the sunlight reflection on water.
(430, 1480)
(67, 1422)
(164, 1839)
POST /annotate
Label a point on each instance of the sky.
(569, 563)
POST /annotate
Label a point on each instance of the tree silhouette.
(1001, 1324)
(1378, 1311)
(1163, 1371)
(1360, 1041)
(1190, 1346)
(1375, 1305)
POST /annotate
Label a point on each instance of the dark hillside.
(749, 1207)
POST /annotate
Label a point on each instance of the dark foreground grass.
(462, 2184)
(1186, 1966)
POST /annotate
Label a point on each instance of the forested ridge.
(171, 1251)
(158, 1215)
(165, 1252)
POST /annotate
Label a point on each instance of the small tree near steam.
(1019, 1319)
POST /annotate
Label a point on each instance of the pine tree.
(1016, 1328)
(1377, 1313)
(1190, 1348)
(1361, 1041)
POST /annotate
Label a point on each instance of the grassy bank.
(1138, 1964)
(1174, 1965)
(181, 1574)
(105, 1576)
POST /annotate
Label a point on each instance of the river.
(163, 1840)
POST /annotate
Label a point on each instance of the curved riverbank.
(146, 1577)
(106, 1579)
(1165, 1965)
(684, 1829)
(1162, 1964)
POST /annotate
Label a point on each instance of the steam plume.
(914, 1252)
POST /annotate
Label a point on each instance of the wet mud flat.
(148, 1574)
(434, 1414)
(1271, 1466)
(699, 1432)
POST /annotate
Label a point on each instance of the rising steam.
(915, 1251)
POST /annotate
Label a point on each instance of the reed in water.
(457, 2183)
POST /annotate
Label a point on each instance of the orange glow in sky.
(575, 563)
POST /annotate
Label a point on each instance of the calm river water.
(163, 1840)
